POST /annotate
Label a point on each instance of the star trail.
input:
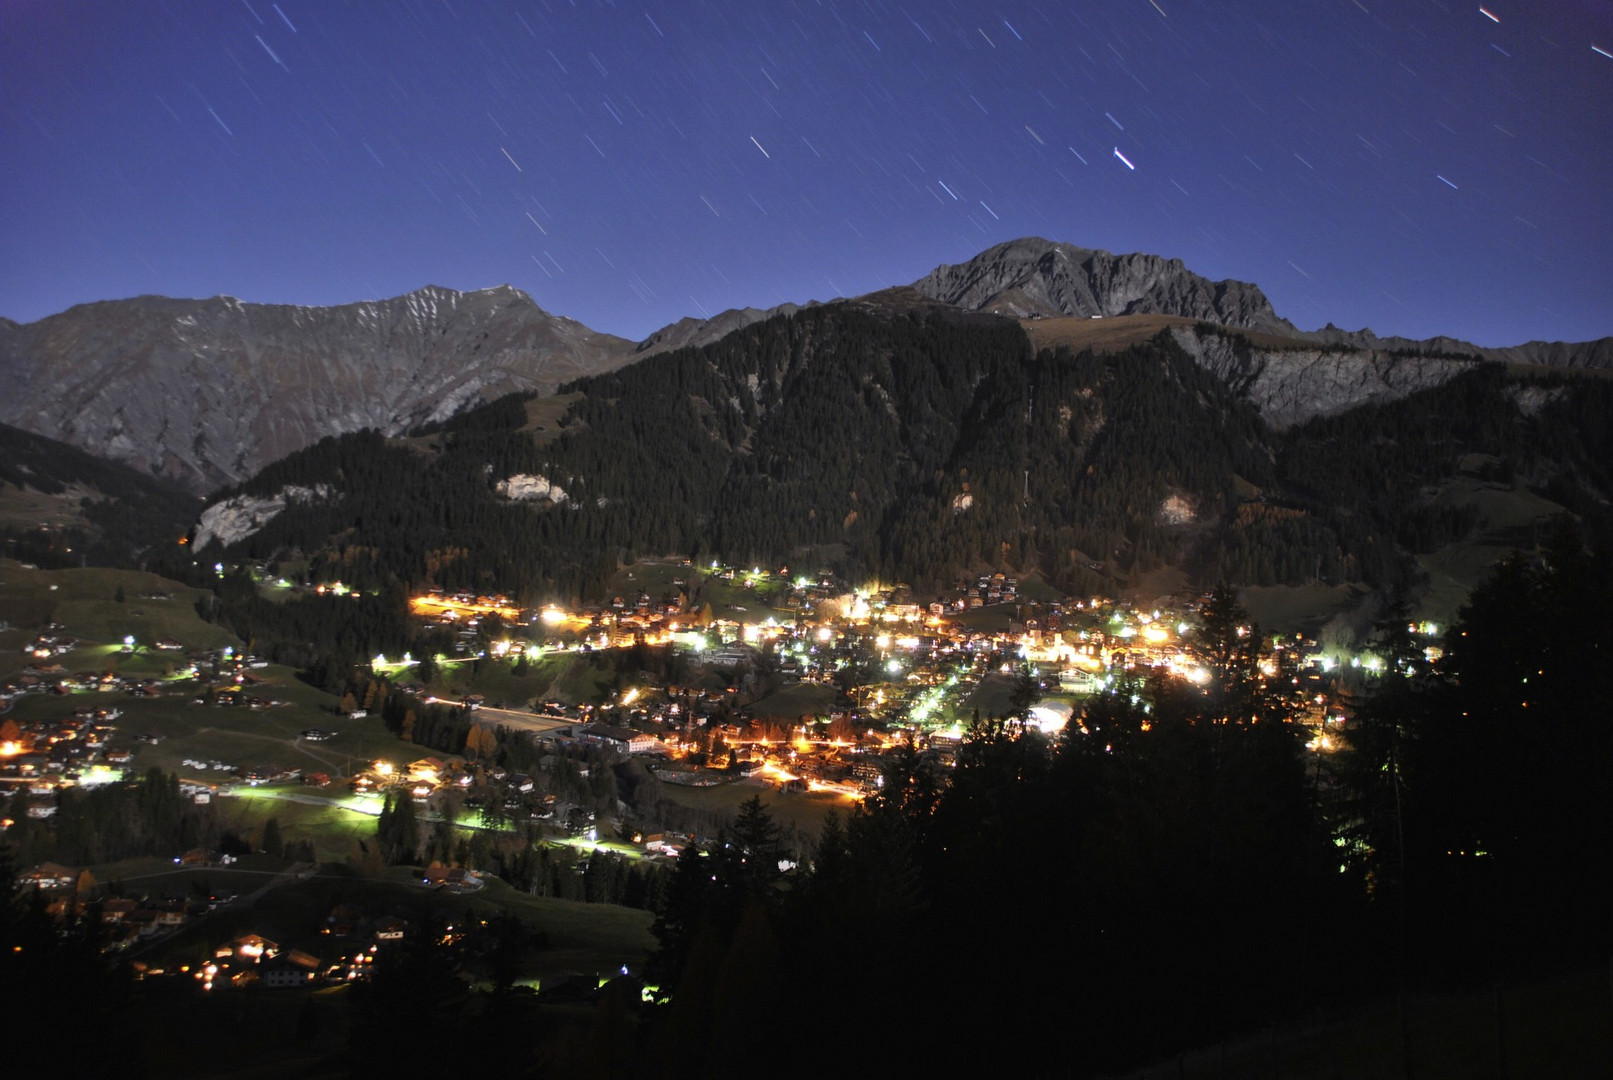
(1436, 168)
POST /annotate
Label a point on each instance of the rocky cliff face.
(1292, 385)
(207, 392)
(236, 518)
(1032, 278)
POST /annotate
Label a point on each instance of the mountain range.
(207, 392)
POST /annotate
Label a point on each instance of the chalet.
(426, 769)
(287, 970)
(279, 973)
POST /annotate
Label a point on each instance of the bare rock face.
(207, 392)
(526, 487)
(1292, 385)
(1032, 278)
(237, 518)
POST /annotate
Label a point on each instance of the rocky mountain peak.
(207, 392)
(1032, 277)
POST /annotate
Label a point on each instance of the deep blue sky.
(1416, 167)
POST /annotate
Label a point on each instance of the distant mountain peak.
(1036, 278)
(207, 392)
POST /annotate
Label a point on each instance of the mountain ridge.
(206, 392)
(1031, 277)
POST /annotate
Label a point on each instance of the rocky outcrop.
(239, 517)
(1292, 385)
(207, 392)
(1032, 278)
(524, 487)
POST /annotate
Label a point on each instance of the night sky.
(1420, 168)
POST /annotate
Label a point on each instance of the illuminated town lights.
(825, 634)
(883, 641)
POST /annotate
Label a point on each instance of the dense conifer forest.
(124, 516)
(920, 446)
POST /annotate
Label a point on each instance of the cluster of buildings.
(904, 672)
(40, 756)
(123, 922)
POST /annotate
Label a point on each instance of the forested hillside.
(922, 444)
(60, 506)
